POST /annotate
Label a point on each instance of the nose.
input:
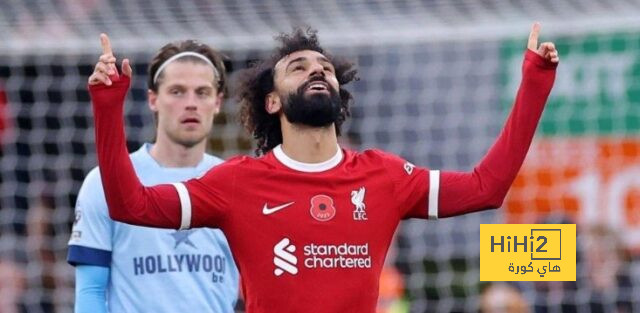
(191, 102)
(316, 69)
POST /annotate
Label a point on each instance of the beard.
(315, 110)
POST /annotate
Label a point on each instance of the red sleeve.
(410, 185)
(487, 185)
(212, 194)
(128, 200)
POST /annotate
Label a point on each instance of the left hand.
(546, 50)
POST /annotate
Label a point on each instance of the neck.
(170, 154)
(309, 144)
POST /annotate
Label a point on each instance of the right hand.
(105, 71)
(547, 50)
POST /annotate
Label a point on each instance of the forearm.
(128, 200)
(487, 185)
(91, 286)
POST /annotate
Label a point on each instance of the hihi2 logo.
(528, 252)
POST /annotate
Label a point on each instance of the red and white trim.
(185, 205)
(307, 167)
(434, 190)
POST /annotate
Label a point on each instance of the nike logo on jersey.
(266, 210)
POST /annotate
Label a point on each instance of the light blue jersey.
(154, 270)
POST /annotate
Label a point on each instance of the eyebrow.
(324, 59)
(300, 59)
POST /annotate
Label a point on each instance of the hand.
(105, 71)
(546, 50)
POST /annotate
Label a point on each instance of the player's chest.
(358, 204)
(299, 228)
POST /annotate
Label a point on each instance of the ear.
(272, 103)
(218, 104)
(153, 97)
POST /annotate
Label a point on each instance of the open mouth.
(318, 86)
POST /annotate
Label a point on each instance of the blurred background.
(437, 81)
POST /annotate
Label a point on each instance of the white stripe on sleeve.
(185, 204)
(434, 189)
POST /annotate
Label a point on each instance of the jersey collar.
(307, 167)
(145, 150)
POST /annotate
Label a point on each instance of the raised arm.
(128, 200)
(487, 185)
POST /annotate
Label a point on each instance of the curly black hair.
(256, 82)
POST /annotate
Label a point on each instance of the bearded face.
(315, 103)
(307, 87)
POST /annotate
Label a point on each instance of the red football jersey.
(310, 237)
(313, 237)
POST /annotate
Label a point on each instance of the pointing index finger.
(106, 44)
(533, 37)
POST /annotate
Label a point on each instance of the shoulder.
(377, 155)
(239, 160)
(244, 161)
(229, 167)
(91, 195)
(380, 158)
(92, 180)
(92, 184)
(212, 160)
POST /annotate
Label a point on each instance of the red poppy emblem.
(322, 208)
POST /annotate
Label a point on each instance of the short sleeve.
(206, 200)
(90, 242)
(413, 193)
